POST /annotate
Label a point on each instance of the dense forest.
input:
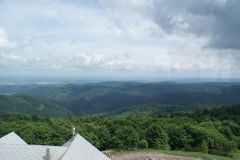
(203, 117)
(215, 131)
(115, 97)
(30, 105)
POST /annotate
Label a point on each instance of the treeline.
(209, 131)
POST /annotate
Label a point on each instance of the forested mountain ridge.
(30, 105)
(128, 115)
(112, 96)
(115, 97)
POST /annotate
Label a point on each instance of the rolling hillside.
(115, 97)
(30, 105)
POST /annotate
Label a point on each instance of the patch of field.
(151, 156)
(167, 155)
(201, 155)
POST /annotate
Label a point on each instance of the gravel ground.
(150, 156)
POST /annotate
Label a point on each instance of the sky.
(120, 38)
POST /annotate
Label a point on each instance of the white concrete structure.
(12, 147)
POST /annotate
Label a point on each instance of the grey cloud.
(217, 19)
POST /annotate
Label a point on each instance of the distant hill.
(114, 96)
(118, 97)
(30, 105)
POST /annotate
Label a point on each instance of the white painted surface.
(12, 138)
(81, 149)
(12, 147)
(29, 152)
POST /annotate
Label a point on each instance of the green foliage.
(157, 137)
(178, 137)
(143, 144)
(126, 137)
(126, 97)
(30, 105)
(176, 132)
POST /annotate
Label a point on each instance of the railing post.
(48, 156)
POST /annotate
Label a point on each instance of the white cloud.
(220, 2)
(4, 41)
(57, 36)
(128, 5)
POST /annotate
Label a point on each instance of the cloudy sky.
(129, 38)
